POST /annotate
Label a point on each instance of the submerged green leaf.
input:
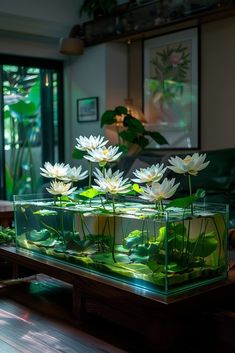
(49, 243)
(154, 266)
(205, 245)
(200, 193)
(134, 238)
(36, 235)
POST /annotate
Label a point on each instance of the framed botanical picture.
(87, 109)
(170, 89)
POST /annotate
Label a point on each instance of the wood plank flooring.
(23, 330)
(36, 317)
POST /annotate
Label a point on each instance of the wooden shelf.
(152, 19)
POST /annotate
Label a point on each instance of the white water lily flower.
(188, 165)
(112, 183)
(103, 155)
(75, 174)
(60, 188)
(90, 143)
(57, 171)
(159, 191)
(149, 174)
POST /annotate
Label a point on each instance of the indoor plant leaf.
(133, 124)
(108, 118)
(120, 110)
(157, 137)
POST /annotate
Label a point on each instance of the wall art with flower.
(171, 88)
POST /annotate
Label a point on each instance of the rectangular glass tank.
(166, 252)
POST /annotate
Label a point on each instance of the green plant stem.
(114, 229)
(102, 203)
(90, 173)
(62, 226)
(187, 243)
(190, 190)
(142, 233)
(218, 235)
(82, 226)
(98, 232)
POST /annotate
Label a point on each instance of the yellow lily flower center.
(187, 160)
(105, 152)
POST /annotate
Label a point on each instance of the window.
(31, 130)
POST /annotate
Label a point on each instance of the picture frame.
(170, 88)
(87, 109)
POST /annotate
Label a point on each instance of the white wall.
(93, 75)
(29, 46)
(84, 77)
(218, 84)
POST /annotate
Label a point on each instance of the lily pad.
(37, 236)
(45, 212)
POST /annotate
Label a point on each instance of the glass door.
(31, 124)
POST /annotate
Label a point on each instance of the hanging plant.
(97, 7)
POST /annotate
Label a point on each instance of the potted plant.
(131, 132)
(97, 7)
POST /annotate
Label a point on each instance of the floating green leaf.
(182, 202)
(90, 193)
(78, 154)
(137, 188)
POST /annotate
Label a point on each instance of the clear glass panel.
(166, 252)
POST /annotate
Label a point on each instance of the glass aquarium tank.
(168, 252)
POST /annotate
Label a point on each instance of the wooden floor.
(25, 331)
(35, 317)
(22, 330)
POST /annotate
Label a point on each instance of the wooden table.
(159, 318)
(6, 213)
